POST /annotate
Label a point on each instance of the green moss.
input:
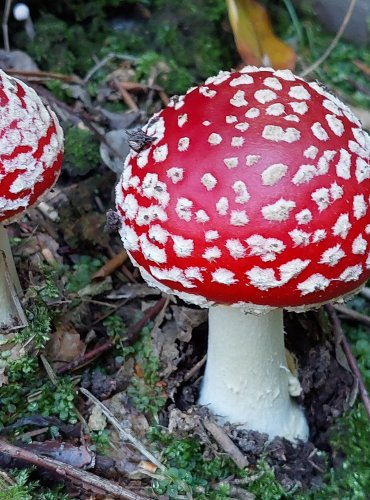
(64, 46)
(29, 392)
(192, 471)
(172, 77)
(82, 272)
(23, 488)
(145, 391)
(28, 389)
(81, 150)
(188, 36)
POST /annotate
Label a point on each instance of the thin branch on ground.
(125, 95)
(85, 480)
(195, 369)
(223, 440)
(100, 64)
(341, 338)
(353, 315)
(125, 435)
(42, 76)
(333, 44)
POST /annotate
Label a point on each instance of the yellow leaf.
(254, 38)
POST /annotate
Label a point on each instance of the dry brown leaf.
(254, 38)
(167, 340)
(64, 345)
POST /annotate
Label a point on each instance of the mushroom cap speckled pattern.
(254, 193)
(31, 147)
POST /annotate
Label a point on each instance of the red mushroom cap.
(254, 193)
(31, 147)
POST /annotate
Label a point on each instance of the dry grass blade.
(123, 433)
(334, 42)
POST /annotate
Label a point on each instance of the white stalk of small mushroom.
(8, 279)
(247, 381)
(21, 12)
(6, 248)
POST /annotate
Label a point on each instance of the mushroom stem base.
(247, 380)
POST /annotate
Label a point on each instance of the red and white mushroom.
(251, 197)
(31, 152)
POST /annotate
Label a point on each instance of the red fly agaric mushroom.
(31, 151)
(251, 197)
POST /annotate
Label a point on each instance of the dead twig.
(86, 480)
(195, 369)
(108, 344)
(44, 76)
(125, 435)
(340, 338)
(126, 97)
(105, 60)
(223, 440)
(354, 315)
(135, 87)
(333, 44)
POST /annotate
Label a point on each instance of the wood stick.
(223, 440)
(86, 480)
(351, 314)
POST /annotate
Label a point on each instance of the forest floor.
(98, 392)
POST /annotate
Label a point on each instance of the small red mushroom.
(31, 152)
(252, 197)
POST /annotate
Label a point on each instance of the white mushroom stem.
(5, 247)
(246, 380)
